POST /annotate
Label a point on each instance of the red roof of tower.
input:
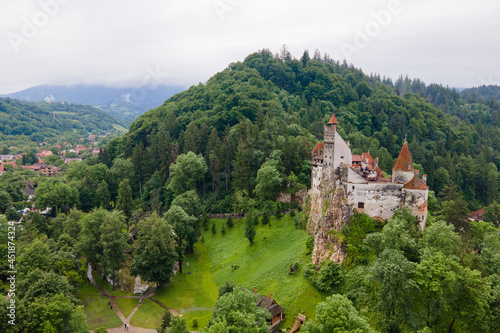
(319, 146)
(333, 120)
(403, 159)
(411, 185)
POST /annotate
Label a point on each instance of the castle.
(365, 187)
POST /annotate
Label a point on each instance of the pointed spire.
(403, 162)
(333, 120)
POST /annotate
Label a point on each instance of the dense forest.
(270, 110)
(42, 121)
(484, 93)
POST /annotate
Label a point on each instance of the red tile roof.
(12, 163)
(333, 120)
(477, 215)
(319, 146)
(403, 159)
(356, 158)
(411, 185)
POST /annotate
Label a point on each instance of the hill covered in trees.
(484, 93)
(269, 111)
(124, 104)
(42, 121)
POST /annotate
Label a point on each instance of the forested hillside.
(42, 121)
(483, 92)
(267, 112)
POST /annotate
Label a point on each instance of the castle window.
(353, 187)
(341, 156)
(361, 205)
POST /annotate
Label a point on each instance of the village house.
(365, 188)
(44, 169)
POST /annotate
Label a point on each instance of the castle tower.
(329, 144)
(403, 170)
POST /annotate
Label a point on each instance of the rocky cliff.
(327, 210)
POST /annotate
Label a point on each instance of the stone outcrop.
(327, 211)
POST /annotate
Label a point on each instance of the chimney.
(255, 290)
(424, 179)
(376, 162)
(409, 166)
(271, 295)
(416, 179)
(348, 143)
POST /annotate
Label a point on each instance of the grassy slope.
(265, 264)
(97, 310)
(148, 315)
(126, 305)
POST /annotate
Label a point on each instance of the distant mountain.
(125, 104)
(483, 92)
(43, 121)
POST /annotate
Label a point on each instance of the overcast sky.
(130, 42)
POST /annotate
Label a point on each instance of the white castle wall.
(379, 199)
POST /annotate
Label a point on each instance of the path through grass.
(96, 308)
(126, 305)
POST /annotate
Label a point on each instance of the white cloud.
(114, 42)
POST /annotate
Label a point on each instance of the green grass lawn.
(203, 318)
(108, 287)
(148, 315)
(126, 305)
(96, 308)
(264, 265)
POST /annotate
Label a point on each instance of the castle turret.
(329, 144)
(403, 170)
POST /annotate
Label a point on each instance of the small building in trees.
(365, 187)
(477, 215)
(276, 311)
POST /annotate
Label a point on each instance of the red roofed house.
(477, 215)
(365, 187)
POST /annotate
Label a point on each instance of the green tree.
(184, 227)
(268, 182)
(153, 246)
(114, 242)
(102, 195)
(337, 315)
(187, 171)
(55, 194)
(90, 237)
(165, 322)
(177, 325)
(125, 201)
(229, 222)
(440, 237)
(250, 232)
(5, 202)
(492, 213)
(394, 274)
(236, 312)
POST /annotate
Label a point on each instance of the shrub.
(214, 229)
(223, 231)
(292, 213)
(279, 210)
(265, 219)
(101, 330)
(229, 222)
(309, 245)
(195, 322)
(293, 267)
